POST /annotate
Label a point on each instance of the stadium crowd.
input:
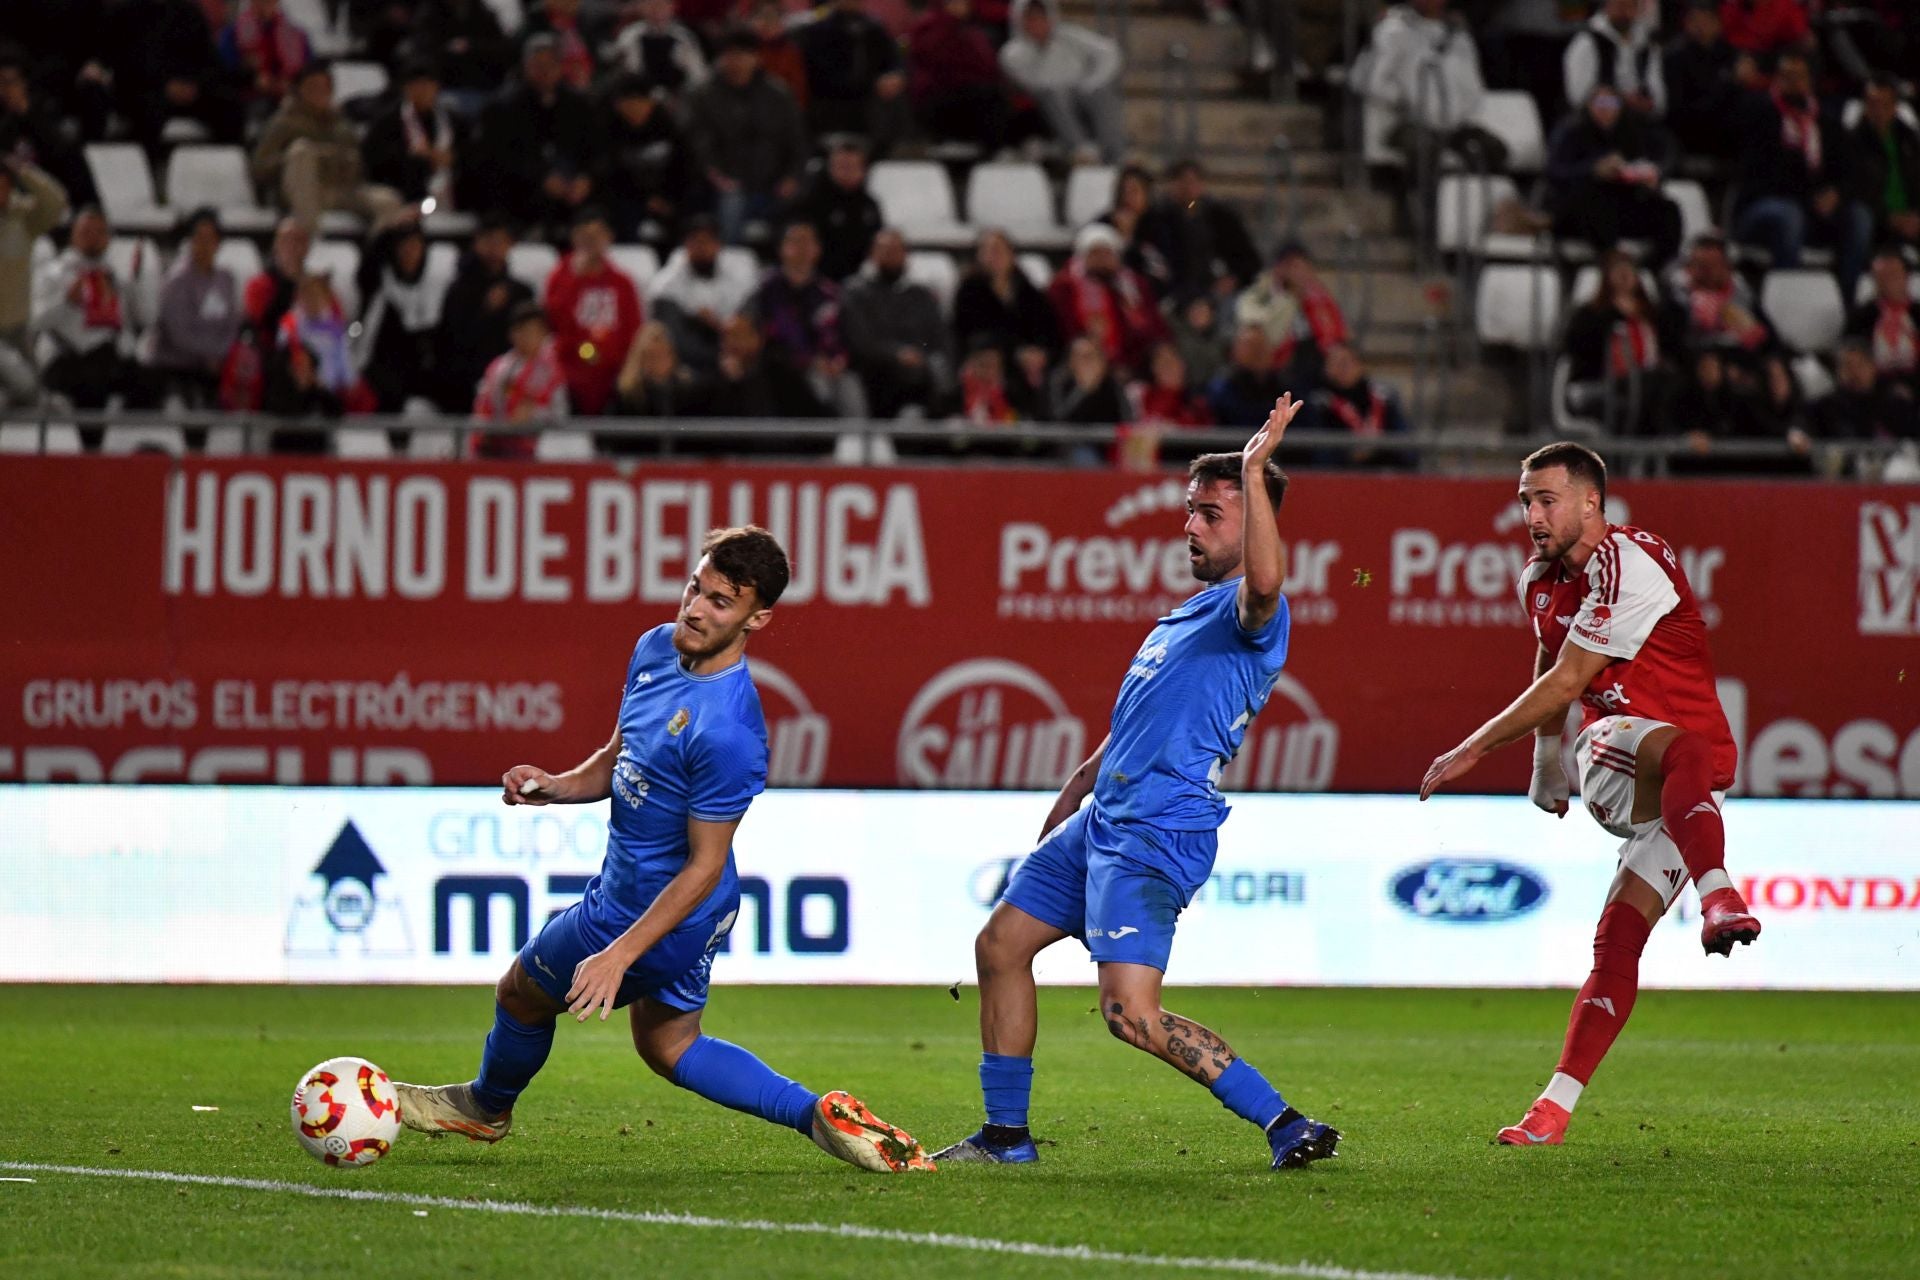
(712, 134)
(1793, 117)
(734, 139)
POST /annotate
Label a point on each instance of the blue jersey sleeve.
(1268, 639)
(728, 764)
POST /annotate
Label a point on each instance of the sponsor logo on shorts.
(1467, 890)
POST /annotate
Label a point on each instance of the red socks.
(1689, 813)
(1604, 1002)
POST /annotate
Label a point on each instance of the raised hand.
(1267, 438)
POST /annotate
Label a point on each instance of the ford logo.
(1468, 890)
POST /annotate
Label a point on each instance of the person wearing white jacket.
(1617, 48)
(1073, 74)
(698, 291)
(1421, 75)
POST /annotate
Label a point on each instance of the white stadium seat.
(638, 261)
(358, 80)
(1089, 193)
(1038, 269)
(1513, 117)
(1018, 199)
(217, 176)
(137, 439)
(917, 197)
(1586, 283)
(443, 264)
(225, 442)
(125, 183)
(365, 443)
(241, 257)
(531, 262)
(936, 270)
(431, 444)
(339, 260)
(1464, 207)
(1696, 215)
(137, 265)
(1517, 306)
(1805, 307)
(559, 444)
(26, 437)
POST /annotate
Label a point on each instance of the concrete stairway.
(1364, 257)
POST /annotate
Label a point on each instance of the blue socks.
(514, 1054)
(729, 1075)
(1245, 1092)
(1006, 1083)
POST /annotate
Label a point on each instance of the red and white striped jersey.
(1632, 603)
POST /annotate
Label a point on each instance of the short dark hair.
(749, 556)
(317, 67)
(1183, 166)
(1225, 468)
(588, 213)
(1581, 463)
(523, 312)
(191, 220)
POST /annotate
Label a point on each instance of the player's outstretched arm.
(1263, 557)
(1548, 788)
(1544, 699)
(596, 980)
(586, 782)
(1078, 787)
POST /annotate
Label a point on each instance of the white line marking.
(841, 1230)
(16, 1179)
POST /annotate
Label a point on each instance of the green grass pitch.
(1749, 1135)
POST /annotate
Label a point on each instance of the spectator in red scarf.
(574, 40)
(594, 308)
(1793, 184)
(525, 386)
(1889, 323)
(1166, 396)
(1709, 309)
(1297, 312)
(263, 47)
(983, 398)
(1356, 404)
(780, 55)
(1614, 353)
(1766, 26)
(84, 324)
(1096, 297)
(954, 78)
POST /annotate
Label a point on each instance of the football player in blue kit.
(1117, 873)
(687, 757)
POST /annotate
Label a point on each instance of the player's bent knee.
(524, 1001)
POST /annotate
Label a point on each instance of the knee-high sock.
(1006, 1084)
(514, 1054)
(1688, 811)
(1245, 1092)
(729, 1075)
(1603, 1004)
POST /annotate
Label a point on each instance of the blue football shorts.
(674, 971)
(1117, 886)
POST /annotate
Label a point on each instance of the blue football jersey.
(690, 747)
(1189, 694)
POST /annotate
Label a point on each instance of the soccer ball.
(346, 1112)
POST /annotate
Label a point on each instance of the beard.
(1211, 568)
(696, 645)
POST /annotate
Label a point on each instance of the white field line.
(840, 1230)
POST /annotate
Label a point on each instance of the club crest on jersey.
(681, 719)
(1541, 600)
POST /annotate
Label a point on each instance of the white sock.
(1713, 882)
(1563, 1091)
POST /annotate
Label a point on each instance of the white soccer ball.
(346, 1112)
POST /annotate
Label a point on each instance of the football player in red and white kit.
(1619, 630)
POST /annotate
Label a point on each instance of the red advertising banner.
(316, 622)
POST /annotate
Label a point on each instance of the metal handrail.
(1425, 166)
(1177, 95)
(1283, 170)
(1489, 446)
(1353, 267)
